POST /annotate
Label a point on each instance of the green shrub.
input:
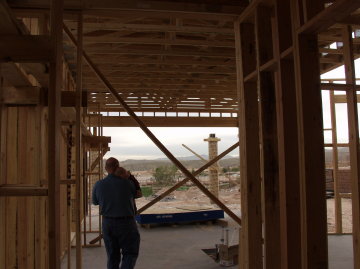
(147, 191)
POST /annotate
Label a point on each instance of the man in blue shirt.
(115, 195)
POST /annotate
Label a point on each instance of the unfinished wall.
(23, 162)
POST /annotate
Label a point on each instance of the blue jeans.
(122, 242)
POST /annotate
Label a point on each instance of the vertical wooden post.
(3, 144)
(56, 67)
(335, 163)
(289, 185)
(250, 255)
(311, 149)
(353, 140)
(268, 134)
(78, 145)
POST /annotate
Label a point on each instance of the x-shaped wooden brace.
(157, 142)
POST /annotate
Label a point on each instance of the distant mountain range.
(193, 157)
(190, 162)
(193, 162)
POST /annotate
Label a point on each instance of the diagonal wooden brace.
(146, 130)
(178, 185)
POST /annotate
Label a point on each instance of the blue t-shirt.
(115, 196)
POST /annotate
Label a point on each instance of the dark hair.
(111, 163)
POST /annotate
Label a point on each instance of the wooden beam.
(268, 139)
(199, 70)
(68, 98)
(114, 59)
(311, 149)
(209, 10)
(115, 26)
(126, 121)
(151, 135)
(33, 95)
(28, 95)
(21, 190)
(336, 12)
(335, 165)
(338, 87)
(104, 49)
(25, 48)
(251, 254)
(95, 141)
(78, 143)
(162, 41)
(56, 68)
(287, 129)
(352, 107)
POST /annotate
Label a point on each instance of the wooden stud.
(289, 185)
(78, 144)
(311, 149)
(251, 255)
(3, 144)
(56, 21)
(268, 139)
(335, 165)
(11, 178)
(353, 141)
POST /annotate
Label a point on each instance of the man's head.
(111, 165)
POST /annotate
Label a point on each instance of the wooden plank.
(335, 165)
(223, 10)
(25, 48)
(352, 107)
(251, 255)
(3, 144)
(21, 95)
(289, 186)
(33, 178)
(78, 143)
(125, 121)
(337, 11)
(55, 81)
(268, 139)
(93, 26)
(11, 178)
(9, 190)
(338, 87)
(146, 130)
(311, 152)
(289, 168)
(103, 49)
(21, 163)
(270, 172)
(158, 41)
(95, 141)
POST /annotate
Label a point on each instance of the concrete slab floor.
(167, 247)
(179, 247)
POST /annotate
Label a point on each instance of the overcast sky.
(132, 143)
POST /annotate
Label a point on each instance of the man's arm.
(94, 196)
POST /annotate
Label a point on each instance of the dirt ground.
(230, 196)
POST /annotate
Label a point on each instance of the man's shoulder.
(100, 182)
